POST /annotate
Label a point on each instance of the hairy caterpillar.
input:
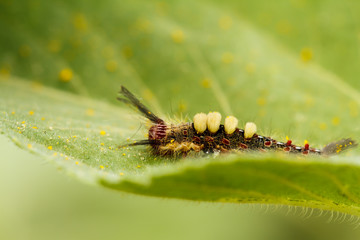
(207, 134)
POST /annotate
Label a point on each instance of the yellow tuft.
(200, 121)
(102, 133)
(287, 138)
(249, 130)
(230, 124)
(50, 147)
(306, 142)
(213, 121)
(177, 36)
(66, 75)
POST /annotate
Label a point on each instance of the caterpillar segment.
(207, 134)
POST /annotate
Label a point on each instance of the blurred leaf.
(181, 57)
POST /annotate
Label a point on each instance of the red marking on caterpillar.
(208, 135)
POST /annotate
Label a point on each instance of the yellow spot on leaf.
(29, 146)
(261, 101)
(54, 46)
(306, 54)
(102, 144)
(102, 133)
(250, 68)
(284, 27)
(5, 72)
(66, 75)
(127, 52)
(354, 110)
(111, 66)
(138, 166)
(177, 36)
(35, 127)
(31, 112)
(124, 154)
(206, 83)
(12, 112)
(77, 163)
(323, 126)
(25, 51)
(143, 25)
(227, 58)
(225, 22)
(335, 121)
(90, 112)
(182, 107)
(50, 147)
(101, 166)
(80, 22)
(121, 174)
(42, 119)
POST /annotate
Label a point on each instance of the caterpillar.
(207, 134)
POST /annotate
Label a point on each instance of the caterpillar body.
(207, 134)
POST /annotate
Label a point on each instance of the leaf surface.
(181, 58)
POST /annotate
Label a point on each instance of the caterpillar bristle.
(130, 99)
(339, 146)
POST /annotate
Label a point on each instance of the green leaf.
(181, 57)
